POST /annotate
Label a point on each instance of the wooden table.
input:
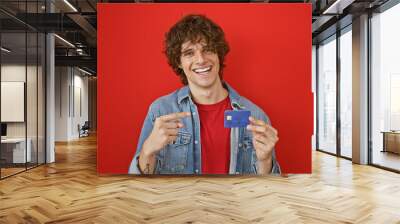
(391, 141)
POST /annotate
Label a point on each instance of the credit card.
(236, 118)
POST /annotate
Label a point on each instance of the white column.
(50, 92)
(360, 90)
(50, 100)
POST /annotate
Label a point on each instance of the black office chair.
(84, 130)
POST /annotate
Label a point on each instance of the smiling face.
(200, 65)
(187, 33)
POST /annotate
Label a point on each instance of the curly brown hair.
(194, 28)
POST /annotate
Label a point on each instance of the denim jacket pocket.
(174, 156)
(248, 154)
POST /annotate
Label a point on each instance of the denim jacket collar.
(184, 93)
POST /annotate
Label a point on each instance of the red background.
(269, 63)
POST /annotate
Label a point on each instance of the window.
(385, 87)
(327, 95)
(346, 93)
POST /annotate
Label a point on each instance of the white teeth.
(200, 70)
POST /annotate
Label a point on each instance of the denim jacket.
(184, 155)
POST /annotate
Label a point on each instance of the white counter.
(18, 148)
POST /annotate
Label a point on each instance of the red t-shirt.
(215, 138)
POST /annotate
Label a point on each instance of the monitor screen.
(3, 129)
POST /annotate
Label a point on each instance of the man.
(183, 132)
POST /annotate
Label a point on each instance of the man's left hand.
(264, 138)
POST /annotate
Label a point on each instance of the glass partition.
(14, 153)
(31, 101)
(22, 77)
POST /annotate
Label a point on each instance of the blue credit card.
(236, 118)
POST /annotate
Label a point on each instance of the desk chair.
(84, 130)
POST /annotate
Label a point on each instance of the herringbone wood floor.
(70, 191)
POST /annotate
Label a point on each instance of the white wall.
(16, 73)
(71, 92)
(12, 100)
(61, 103)
(79, 117)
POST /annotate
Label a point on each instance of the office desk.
(13, 150)
(391, 141)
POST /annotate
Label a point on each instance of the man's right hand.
(165, 130)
